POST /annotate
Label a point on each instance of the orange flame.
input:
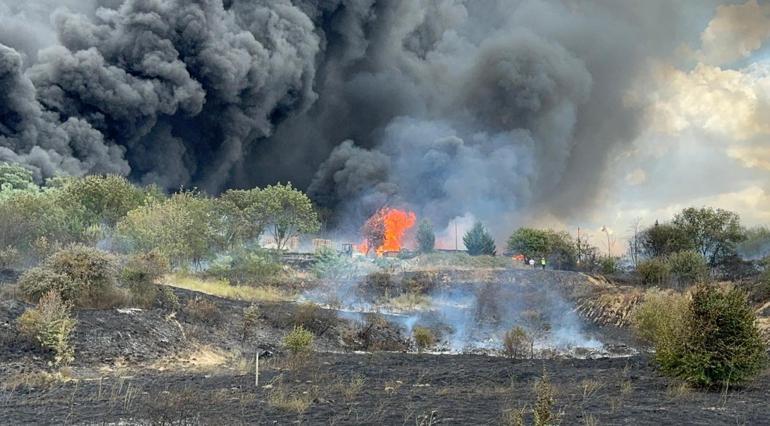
(394, 224)
(397, 222)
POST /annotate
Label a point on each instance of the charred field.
(153, 366)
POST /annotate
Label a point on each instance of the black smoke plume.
(450, 107)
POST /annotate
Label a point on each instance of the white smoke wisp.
(473, 317)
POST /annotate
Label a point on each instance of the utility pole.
(578, 247)
(609, 246)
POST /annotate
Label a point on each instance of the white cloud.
(735, 32)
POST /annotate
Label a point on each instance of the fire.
(386, 230)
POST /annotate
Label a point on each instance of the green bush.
(653, 272)
(423, 338)
(331, 265)
(50, 326)
(250, 319)
(167, 299)
(183, 228)
(140, 273)
(299, 340)
(545, 400)
(609, 265)
(687, 267)
(82, 275)
(516, 343)
(660, 320)
(723, 344)
(246, 267)
(709, 341)
(36, 282)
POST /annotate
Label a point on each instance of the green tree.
(288, 213)
(714, 233)
(426, 239)
(663, 239)
(557, 247)
(530, 242)
(106, 199)
(243, 215)
(478, 241)
(182, 228)
(687, 267)
(28, 216)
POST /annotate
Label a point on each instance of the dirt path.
(388, 388)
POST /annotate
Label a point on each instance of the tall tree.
(530, 242)
(288, 213)
(664, 239)
(243, 215)
(426, 239)
(714, 233)
(478, 241)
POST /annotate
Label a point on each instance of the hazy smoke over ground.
(448, 106)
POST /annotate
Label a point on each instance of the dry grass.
(222, 288)
(37, 379)
(409, 302)
(207, 359)
(678, 390)
(296, 402)
(590, 387)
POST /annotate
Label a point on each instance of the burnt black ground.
(397, 389)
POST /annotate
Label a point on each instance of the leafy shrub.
(544, 402)
(92, 273)
(423, 338)
(723, 344)
(299, 340)
(50, 326)
(609, 265)
(711, 340)
(653, 272)
(106, 199)
(202, 310)
(660, 320)
(331, 265)
(245, 267)
(140, 273)
(516, 343)
(687, 267)
(180, 227)
(167, 299)
(36, 282)
(250, 319)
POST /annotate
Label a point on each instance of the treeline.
(111, 212)
(559, 248)
(696, 243)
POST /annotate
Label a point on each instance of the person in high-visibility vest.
(542, 262)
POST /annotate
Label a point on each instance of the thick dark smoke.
(449, 107)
